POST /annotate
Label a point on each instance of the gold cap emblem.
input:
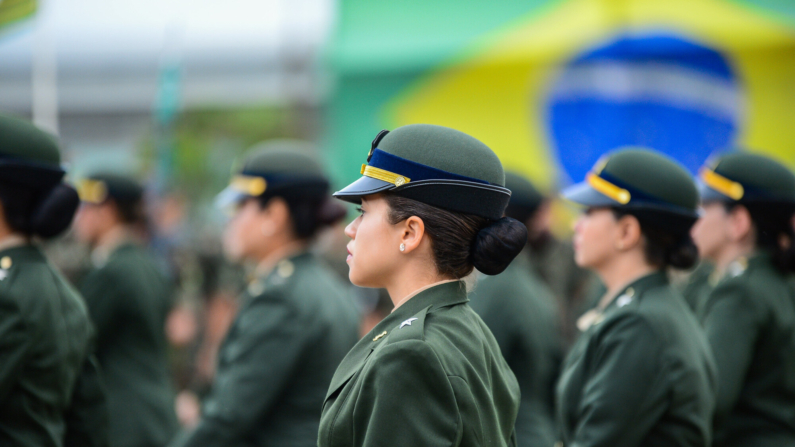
(5, 263)
(92, 191)
(249, 184)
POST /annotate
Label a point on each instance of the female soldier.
(641, 374)
(49, 385)
(521, 312)
(295, 322)
(128, 301)
(431, 373)
(746, 230)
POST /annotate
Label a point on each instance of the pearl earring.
(402, 247)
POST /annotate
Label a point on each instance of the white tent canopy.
(109, 53)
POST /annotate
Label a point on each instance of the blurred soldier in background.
(699, 282)
(522, 314)
(552, 260)
(296, 321)
(129, 299)
(641, 374)
(49, 383)
(746, 230)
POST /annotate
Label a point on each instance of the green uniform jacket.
(49, 385)
(750, 323)
(521, 313)
(571, 285)
(293, 329)
(696, 288)
(129, 300)
(429, 374)
(641, 376)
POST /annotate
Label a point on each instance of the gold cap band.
(249, 184)
(384, 176)
(721, 184)
(92, 191)
(620, 195)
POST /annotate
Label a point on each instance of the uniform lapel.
(439, 296)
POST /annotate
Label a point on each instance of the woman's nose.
(578, 223)
(350, 230)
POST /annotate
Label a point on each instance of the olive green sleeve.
(102, 290)
(269, 341)
(625, 393)
(86, 418)
(490, 305)
(731, 321)
(15, 344)
(406, 400)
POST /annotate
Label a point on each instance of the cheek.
(593, 243)
(708, 233)
(83, 223)
(372, 258)
(236, 236)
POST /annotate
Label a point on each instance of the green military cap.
(101, 186)
(435, 165)
(746, 178)
(277, 167)
(524, 195)
(28, 156)
(643, 182)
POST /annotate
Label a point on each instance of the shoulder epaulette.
(412, 328)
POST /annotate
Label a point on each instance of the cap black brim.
(364, 186)
(583, 194)
(229, 197)
(708, 194)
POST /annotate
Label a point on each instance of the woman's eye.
(588, 211)
(359, 210)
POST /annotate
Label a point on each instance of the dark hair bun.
(54, 212)
(682, 255)
(497, 244)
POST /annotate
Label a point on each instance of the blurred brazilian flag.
(552, 84)
(14, 11)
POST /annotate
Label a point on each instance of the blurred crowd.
(206, 285)
(194, 323)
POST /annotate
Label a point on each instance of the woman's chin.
(359, 280)
(581, 261)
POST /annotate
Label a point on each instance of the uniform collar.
(624, 296)
(22, 253)
(13, 240)
(436, 297)
(290, 254)
(278, 273)
(637, 287)
(442, 295)
(420, 290)
(120, 237)
(755, 260)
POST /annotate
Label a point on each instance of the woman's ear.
(413, 232)
(629, 233)
(740, 223)
(274, 216)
